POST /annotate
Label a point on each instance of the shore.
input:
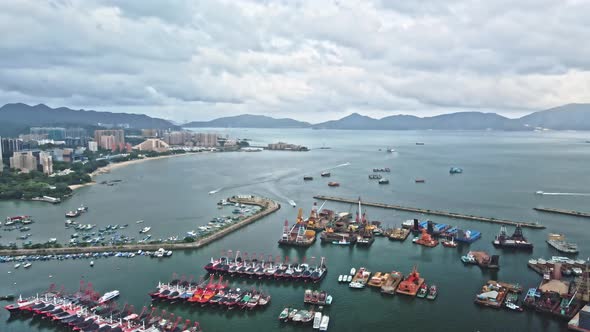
(111, 166)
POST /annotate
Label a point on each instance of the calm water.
(501, 173)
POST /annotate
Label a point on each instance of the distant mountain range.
(567, 117)
(16, 118)
(248, 121)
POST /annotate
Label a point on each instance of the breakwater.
(533, 225)
(561, 211)
(268, 206)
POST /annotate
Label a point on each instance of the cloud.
(312, 60)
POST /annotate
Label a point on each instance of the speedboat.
(145, 230)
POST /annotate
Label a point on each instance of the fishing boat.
(17, 265)
(422, 291)
(325, 322)
(145, 230)
(516, 241)
(432, 292)
(333, 184)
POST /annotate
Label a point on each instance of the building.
(55, 133)
(207, 139)
(46, 162)
(152, 144)
(178, 137)
(115, 138)
(92, 146)
(286, 147)
(151, 132)
(23, 161)
(11, 145)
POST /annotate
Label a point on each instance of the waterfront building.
(152, 144)
(114, 138)
(286, 147)
(177, 137)
(11, 145)
(92, 146)
(54, 133)
(24, 161)
(46, 161)
(207, 139)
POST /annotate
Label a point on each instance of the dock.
(268, 207)
(533, 225)
(561, 211)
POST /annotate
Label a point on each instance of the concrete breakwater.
(561, 211)
(433, 212)
(268, 207)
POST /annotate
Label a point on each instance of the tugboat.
(516, 241)
(432, 293)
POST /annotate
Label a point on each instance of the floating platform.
(534, 225)
(464, 236)
(493, 293)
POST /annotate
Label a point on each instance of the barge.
(297, 235)
(392, 282)
(515, 241)
(399, 234)
(411, 284)
(493, 293)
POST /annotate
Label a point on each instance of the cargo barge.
(515, 241)
(554, 297)
(483, 260)
(568, 266)
(399, 234)
(392, 282)
(297, 235)
(493, 293)
(411, 284)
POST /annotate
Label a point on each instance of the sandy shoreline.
(108, 168)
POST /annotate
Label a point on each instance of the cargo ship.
(399, 234)
(392, 282)
(516, 241)
(426, 240)
(297, 235)
(411, 284)
(557, 241)
(360, 279)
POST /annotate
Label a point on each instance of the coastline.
(111, 166)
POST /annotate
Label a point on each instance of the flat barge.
(493, 293)
(399, 234)
(534, 225)
(568, 266)
(565, 212)
(393, 280)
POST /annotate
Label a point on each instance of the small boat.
(324, 323)
(325, 174)
(139, 222)
(419, 143)
(292, 313)
(455, 170)
(91, 263)
(342, 242)
(449, 244)
(307, 178)
(349, 278)
(468, 259)
(27, 265)
(419, 180)
(333, 184)
(317, 319)
(17, 265)
(514, 307)
(432, 292)
(383, 181)
(284, 314)
(352, 271)
(292, 203)
(340, 277)
(423, 291)
(145, 230)
(390, 150)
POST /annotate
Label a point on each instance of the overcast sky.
(312, 60)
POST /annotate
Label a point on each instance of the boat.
(422, 291)
(539, 192)
(333, 184)
(432, 292)
(307, 178)
(297, 235)
(352, 271)
(17, 265)
(392, 282)
(324, 323)
(419, 143)
(284, 314)
(512, 306)
(325, 174)
(27, 265)
(145, 230)
(455, 170)
(399, 234)
(449, 244)
(317, 319)
(292, 313)
(383, 181)
(360, 278)
(419, 180)
(468, 259)
(108, 296)
(340, 277)
(342, 242)
(516, 241)
(557, 241)
(425, 239)
(91, 263)
(139, 222)
(292, 203)
(411, 284)
(378, 279)
(390, 150)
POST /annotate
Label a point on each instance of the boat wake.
(341, 165)
(562, 194)
(215, 191)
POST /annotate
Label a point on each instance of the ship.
(383, 181)
(432, 293)
(333, 184)
(392, 282)
(455, 170)
(378, 279)
(108, 296)
(419, 180)
(365, 238)
(426, 240)
(307, 178)
(449, 243)
(399, 234)
(73, 214)
(325, 174)
(360, 279)
(145, 230)
(516, 241)
(463, 236)
(411, 284)
(558, 242)
(297, 235)
(292, 203)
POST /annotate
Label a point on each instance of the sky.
(312, 60)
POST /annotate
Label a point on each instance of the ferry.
(108, 296)
(342, 242)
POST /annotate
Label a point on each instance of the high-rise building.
(207, 139)
(23, 161)
(46, 161)
(11, 145)
(177, 137)
(117, 138)
(151, 132)
(54, 133)
(152, 144)
(92, 146)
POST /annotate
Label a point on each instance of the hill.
(248, 121)
(566, 117)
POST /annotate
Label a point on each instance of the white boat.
(324, 323)
(17, 265)
(139, 222)
(91, 263)
(390, 150)
(317, 320)
(108, 296)
(27, 265)
(342, 242)
(356, 284)
(145, 229)
(352, 271)
(329, 299)
(339, 277)
(539, 192)
(349, 279)
(52, 240)
(292, 202)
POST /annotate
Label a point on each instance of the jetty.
(534, 225)
(561, 211)
(268, 207)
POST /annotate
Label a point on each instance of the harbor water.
(501, 173)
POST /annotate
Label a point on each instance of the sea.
(501, 173)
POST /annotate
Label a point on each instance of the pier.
(268, 207)
(561, 211)
(533, 225)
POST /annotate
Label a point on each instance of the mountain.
(248, 121)
(566, 117)
(353, 121)
(21, 116)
